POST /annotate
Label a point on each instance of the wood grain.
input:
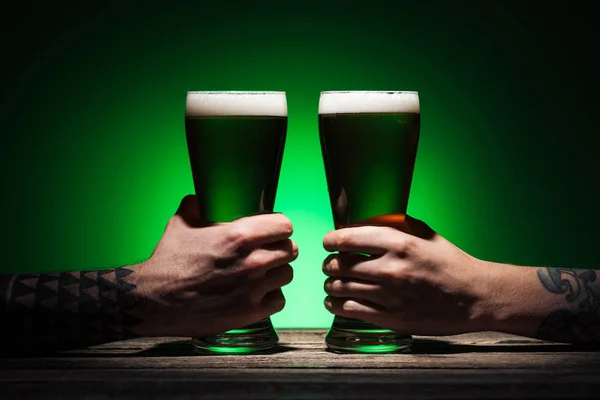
(489, 365)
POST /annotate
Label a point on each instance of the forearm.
(52, 312)
(554, 304)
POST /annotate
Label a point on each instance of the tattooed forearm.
(579, 320)
(51, 312)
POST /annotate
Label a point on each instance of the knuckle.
(410, 243)
(405, 245)
(390, 273)
(400, 275)
(285, 224)
(294, 250)
(280, 303)
(257, 259)
(331, 267)
(329, 238)
(328, 285)
(328, 259)
(348, 306)
(238, 236)
(281, 276)
(344, 238)
(337, 286)
(276, 302)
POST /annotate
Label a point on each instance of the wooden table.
(483, 365)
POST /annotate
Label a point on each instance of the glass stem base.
(353, 336)
(255, 338)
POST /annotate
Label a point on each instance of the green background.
(94, 158)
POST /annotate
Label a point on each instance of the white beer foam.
(199, 104)
(355, 102)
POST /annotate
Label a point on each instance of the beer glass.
(369, 145)
(235, 142)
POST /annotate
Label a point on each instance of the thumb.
(402, 222)
(417, 228)
(189, 211)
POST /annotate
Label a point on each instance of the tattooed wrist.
(578, 320)
(71, 309)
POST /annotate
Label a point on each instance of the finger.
(401, 222)
(356, 266)
(373, 240)
(270, 256)
(274, 279)
(343, 288)
(352, 308)
(277, 278)
(257, 230)
(418, 228)
(364, 239)
(273, 302)
(189, 211)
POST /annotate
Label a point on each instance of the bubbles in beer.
(199, 104)
(359, 102)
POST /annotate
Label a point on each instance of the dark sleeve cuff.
(5, 282)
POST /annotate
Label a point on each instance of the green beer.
(369, 145)
(235, 142)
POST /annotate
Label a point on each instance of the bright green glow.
(240, 331)
(231, 350)
(370, 331)
(103, 93)
(384, 348)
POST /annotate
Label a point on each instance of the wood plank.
(305, 349)
(316, 360)
(307, 384)
(316, 338)
(479, 365)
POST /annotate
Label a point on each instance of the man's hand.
(203, 280)
(414, 282)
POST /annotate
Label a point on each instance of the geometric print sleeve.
(44, 313)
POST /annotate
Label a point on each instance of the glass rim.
(235, 92)
(370, 91)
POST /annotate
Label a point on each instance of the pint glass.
(235, 142)
(369, 144)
